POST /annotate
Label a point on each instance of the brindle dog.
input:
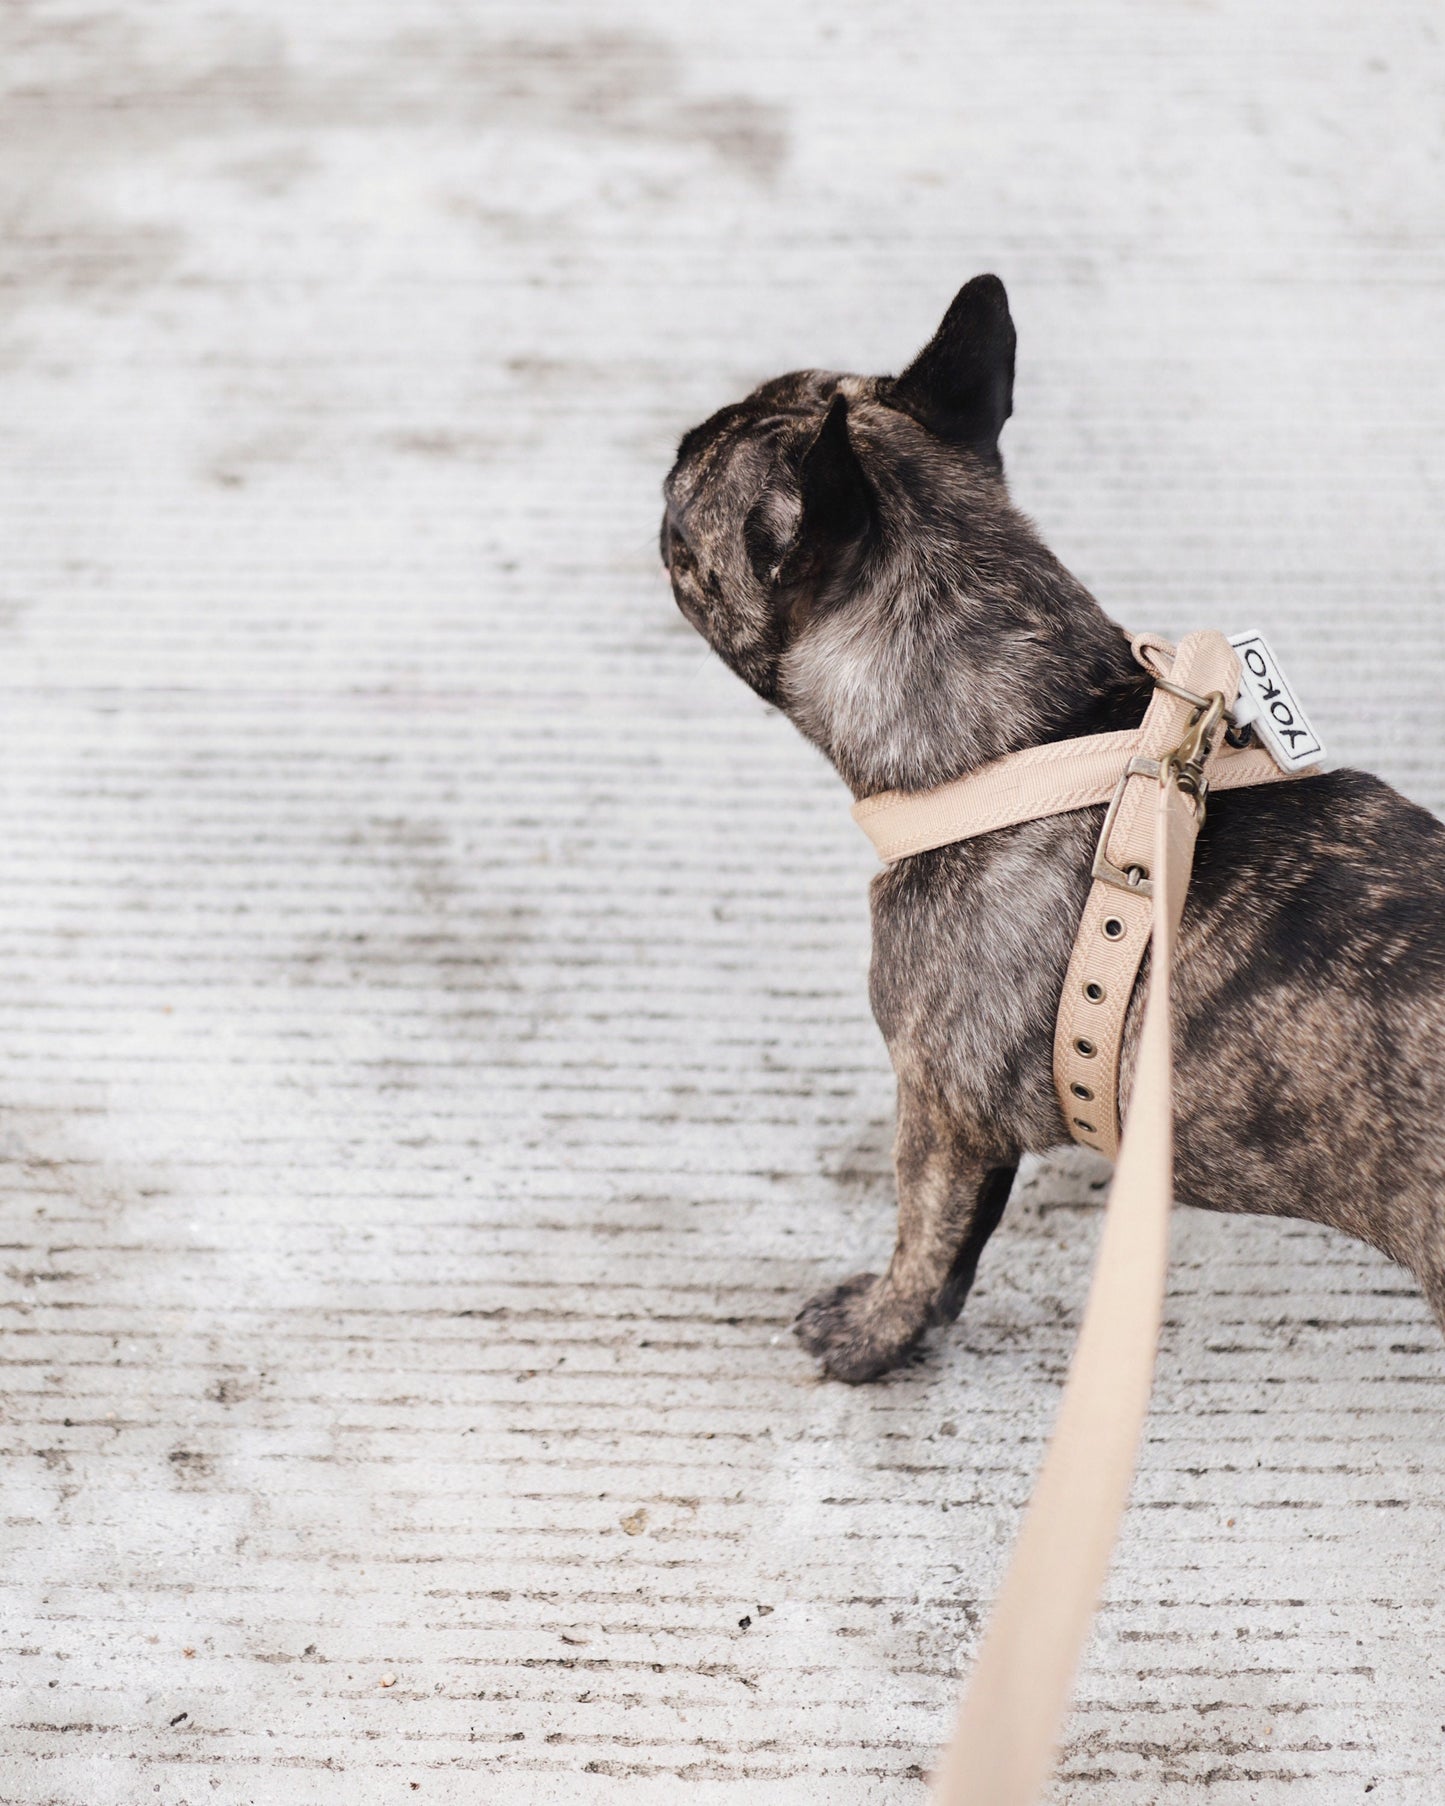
(847, 545)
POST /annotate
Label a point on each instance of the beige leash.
(1004, 1746)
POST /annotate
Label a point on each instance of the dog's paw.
(857, 1330)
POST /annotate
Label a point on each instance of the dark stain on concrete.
(192, 1469)
(611, 84)
(90, 96)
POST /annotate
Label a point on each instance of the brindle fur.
(848, 546)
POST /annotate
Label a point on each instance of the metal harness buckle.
(1135, 879)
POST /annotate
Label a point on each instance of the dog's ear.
(961, 384)
(792, 533)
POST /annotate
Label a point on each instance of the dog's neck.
(905, 691)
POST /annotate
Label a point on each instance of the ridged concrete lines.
(518, 1080)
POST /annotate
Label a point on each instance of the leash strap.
(1155, 780)
(1003, 1748)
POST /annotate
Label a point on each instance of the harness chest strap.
(1026, 786)
(1012, 1713)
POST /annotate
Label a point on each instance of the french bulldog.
(847, 545)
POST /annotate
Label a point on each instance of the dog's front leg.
(950, 1200)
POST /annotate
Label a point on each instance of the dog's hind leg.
(950, 1200)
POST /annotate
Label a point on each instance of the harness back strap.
(1114, 930)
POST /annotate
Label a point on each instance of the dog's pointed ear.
(961, 384)
(837, 502)
(800, 533)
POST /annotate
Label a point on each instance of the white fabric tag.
(1267, 704)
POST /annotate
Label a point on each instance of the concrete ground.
(434, 1057)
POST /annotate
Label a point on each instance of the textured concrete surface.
(434, 1060)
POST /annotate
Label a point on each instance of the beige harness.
(1154, 780)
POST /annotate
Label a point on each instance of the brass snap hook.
(1185, 765)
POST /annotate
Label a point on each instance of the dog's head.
(778, 506)
(847, 545)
